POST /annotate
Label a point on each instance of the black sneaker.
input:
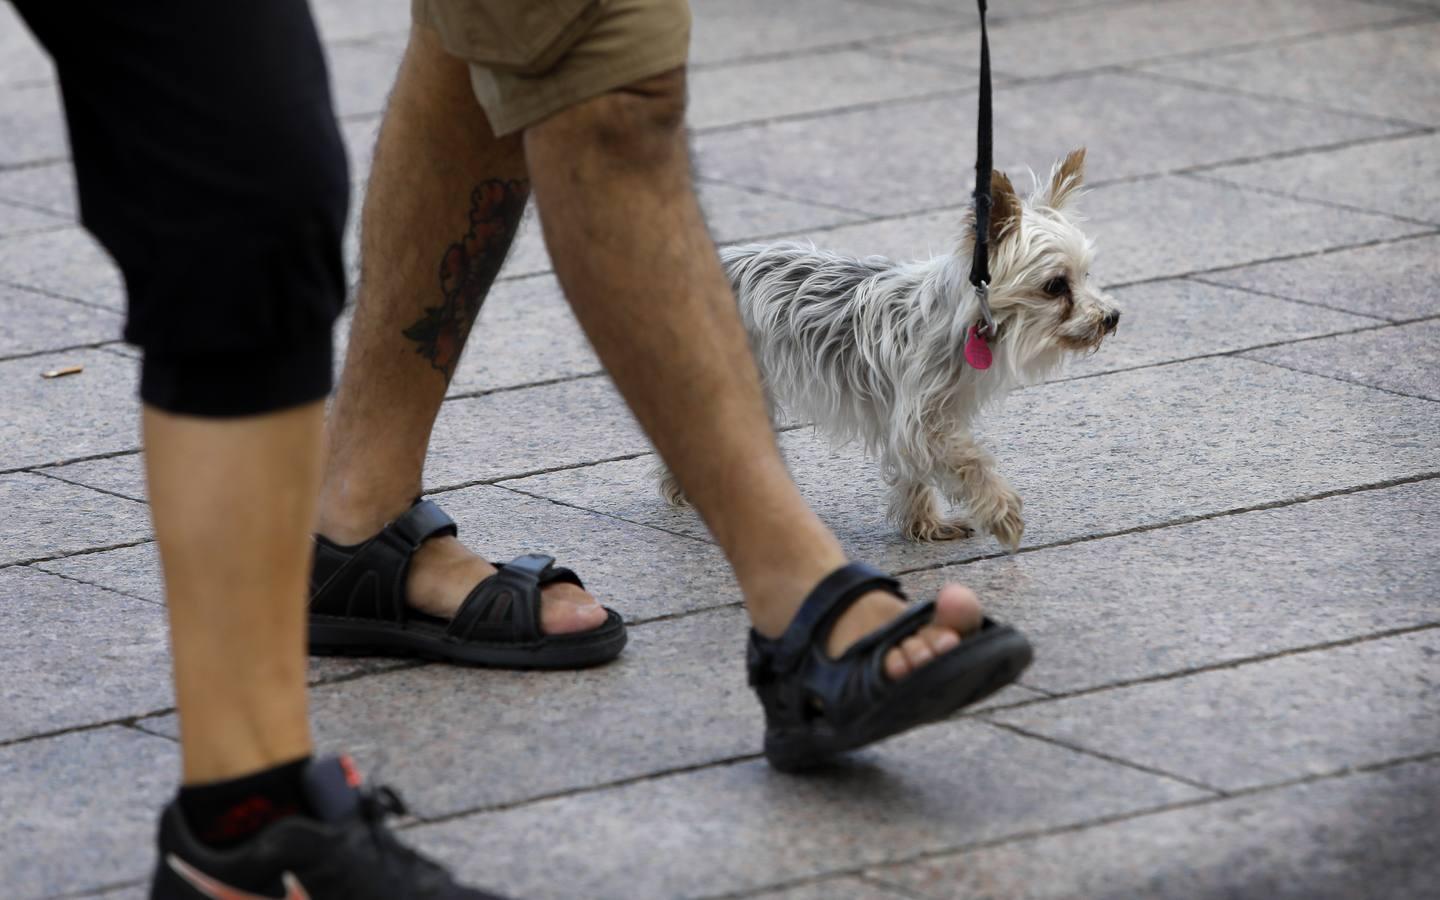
(344, 853)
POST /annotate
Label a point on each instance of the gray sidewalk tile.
(22, 219)
(123, 475)
(346, 20)
(1397, 280)
(1130, 33)
(1366, 835)
(66, 263)
(50, 420)
(640, 572)
(525, 335)
(512, 432)
(794, 85)
(1013, 9)
(1390, 72)
(79, 809)
(832, 889)
(743, 827)
(725, 30)
(1403, 358)
(1392, 176)
(21, 59)
(1168, 320)
(31, 322)
(361, 76)
(45, 517)
(454, 738)
(49, 187)
(1217, 591)
(1178, 225)
(1279, 719)
(33, 125)
(1100, 455)
(1133, 125)
(104, 656)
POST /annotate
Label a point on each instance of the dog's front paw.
(1000, 514)
(926, 530)
(670, 488)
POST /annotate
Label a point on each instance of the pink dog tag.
(977, 352)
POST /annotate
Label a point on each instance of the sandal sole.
(331, 636)
(977, 669)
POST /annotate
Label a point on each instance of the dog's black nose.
(1111, 320)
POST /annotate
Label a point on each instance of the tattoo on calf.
(467, 270)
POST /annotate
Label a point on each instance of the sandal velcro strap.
(835, 593)
(508, 602)
(418, 524)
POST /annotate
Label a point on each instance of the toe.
(957, 609)
(896, 665)
(917, 651)
(567, 609)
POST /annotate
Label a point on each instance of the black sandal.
(817, 707)
(358, 608)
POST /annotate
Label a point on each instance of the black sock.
(226, 813)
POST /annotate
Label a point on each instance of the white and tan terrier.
(871, 349)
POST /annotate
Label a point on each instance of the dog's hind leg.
(972, 477)
(669, 486)
(915, 510)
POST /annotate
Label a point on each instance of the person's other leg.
(444, 200)
(612, 179)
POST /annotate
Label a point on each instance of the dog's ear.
(1066, 179)
(1004, 207)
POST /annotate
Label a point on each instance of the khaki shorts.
(530, 59)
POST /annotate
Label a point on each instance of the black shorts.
(210, 166)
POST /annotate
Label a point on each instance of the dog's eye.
(1056, 287)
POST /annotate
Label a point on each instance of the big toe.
(567, 609)
(957, 613)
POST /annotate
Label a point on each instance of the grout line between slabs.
(1350, 381)
(1051, 831)
(1105, 757)
(1213, 178)
(104, 587)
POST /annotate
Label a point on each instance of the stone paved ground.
(1231, 572)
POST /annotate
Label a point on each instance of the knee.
(639, 123)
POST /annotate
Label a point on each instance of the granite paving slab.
(361, 76)
(50, 188)
(1217, 591)
(66, 263)
(1012, 9)
(23, 219)
(727, 30)
(1278, 719)
(1370, 834)
(1121, 35)
(743, 827)
(21, 59)
(677, 697)
(1395, 280)
(525, 335)
(1152, 445)
(1179, 225)
(105, 655)
(1163, 321)
(832, 889)
(1402, 358)
(732, 214)
(70, 824)
(1133, 125)
(512, 432)
(50, 420)
(123, 475)
(33, 125)
(46, 518)
(1383, 72)
(1391, 176)
(32, 323)
(815, 83)
(351, 20)
(639, 572)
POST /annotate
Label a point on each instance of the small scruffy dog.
(871, 349)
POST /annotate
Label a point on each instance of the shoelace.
(378, 804)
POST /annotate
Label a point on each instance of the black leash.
(980, 264)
